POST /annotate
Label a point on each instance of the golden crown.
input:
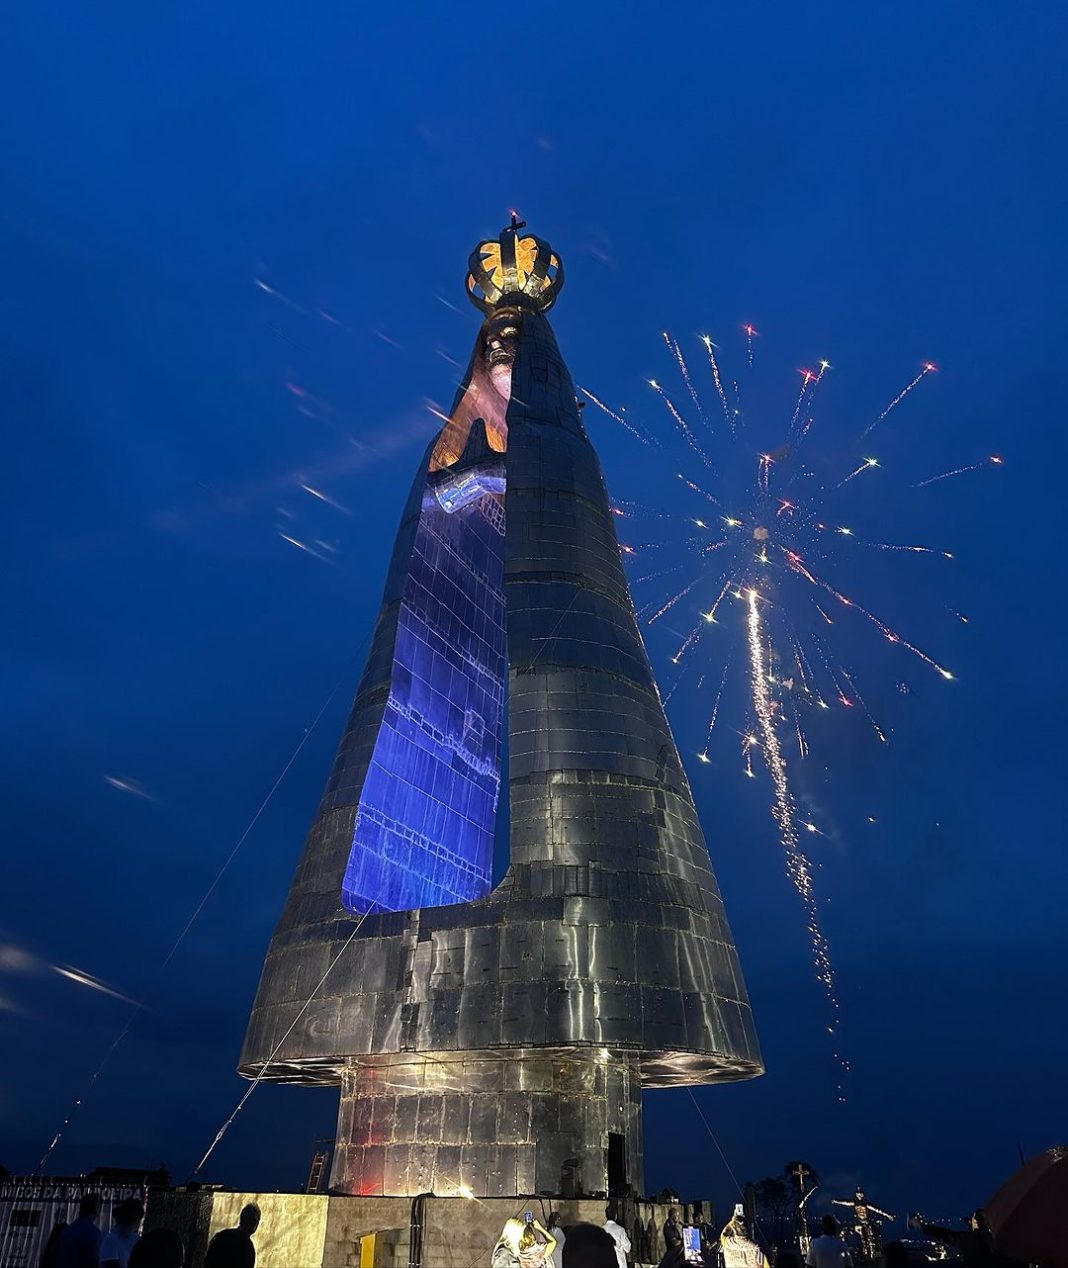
(512, 264)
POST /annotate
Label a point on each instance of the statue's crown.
(513, 264)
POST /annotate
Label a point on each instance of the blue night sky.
(873, 184)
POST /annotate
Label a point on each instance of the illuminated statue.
(494, 1040)
(865, 1225)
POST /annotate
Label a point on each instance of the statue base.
(312, 1230)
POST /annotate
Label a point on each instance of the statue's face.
(500, 344)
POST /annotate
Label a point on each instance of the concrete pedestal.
(300, 1230)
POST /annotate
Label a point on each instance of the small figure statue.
(864, 1225)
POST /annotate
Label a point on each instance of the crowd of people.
(529, 1244)
(83, 1243)
(523, 1243)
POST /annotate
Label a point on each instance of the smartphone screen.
(530, 1217)
(691, 1244)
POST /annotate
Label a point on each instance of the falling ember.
(994, 460)
(807, 378)
(673, 600)
(715, 708)
(750, 332)
(676, 351)
(867, 465)
(763, 469)
(697, 489)
(710, 348)
(612, 414)
(684, 427)
(928, 368)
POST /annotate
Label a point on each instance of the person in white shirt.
(125, 1229)
(618, 1234)
(828, 1250)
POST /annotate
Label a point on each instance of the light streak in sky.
(807, 378)
(684, 369)
(994, 460)
(93, 983)
(683, 426)
(322, 497)
(294, 541)
(130, 786)
(612, 414)
(867, 465)
(928, 368)
(710, 348)
(750, 333)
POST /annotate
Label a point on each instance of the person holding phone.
(524, 1243)
(738, 1248)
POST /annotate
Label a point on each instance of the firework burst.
(763, 564)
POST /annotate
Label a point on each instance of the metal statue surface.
(493, 1040)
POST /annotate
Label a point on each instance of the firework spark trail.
(637, 508)
(710, 347)
(807, 378)
(690, 640)
(975, 466)
(715, 708)
(928, 368)
(797, 863)
(802, 743)
(916, 550)
(869, 464)
(798, 565)
(804, 670)
(675, 598)
(763, 470)
(618, 417)
(697, 489)
(661, 572)
(864, 705)
(710, 615)
(685, 369)
(684, 427)
(750, 331)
